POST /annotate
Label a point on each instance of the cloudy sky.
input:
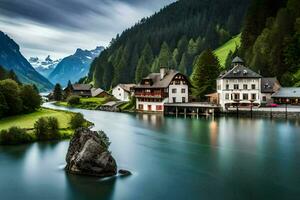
(59, 27)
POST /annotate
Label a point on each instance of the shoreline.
(272, 113)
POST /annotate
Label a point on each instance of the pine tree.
(183, 64)
(206, 70)
(144, 63)
(164, 56)
(57, 93)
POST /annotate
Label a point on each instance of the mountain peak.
(48, 59)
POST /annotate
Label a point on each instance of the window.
(174, 99)
(174, 90)
(149, 107)
(183, 90)
(253, 96)
(236, 86)
(245, 87)
(236, 96)
(141, 107)
(159, 108)
(227, 86)
(119, 89)
(245, 96)
(183, 99)
(253, 86)
(264, 98)
(227, 96)
(219, 87)
(120, 94)
(177, 82)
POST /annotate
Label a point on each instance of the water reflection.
(172, 158)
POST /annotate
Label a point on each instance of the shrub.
(77, 121)
(15, 135)
(53, 127)
(73, 100)
(41, 128)
(47, 128)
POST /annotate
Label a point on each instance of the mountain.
(12, 59)
(44, 67)
(74, 67)
(172, 37)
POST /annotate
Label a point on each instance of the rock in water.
(88, 154)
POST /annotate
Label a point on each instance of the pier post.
(184, 112)
(197, 113)
(176, 112)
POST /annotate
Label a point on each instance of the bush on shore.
(77, 121)
(14, 136)
(47, 128)
(73, 100)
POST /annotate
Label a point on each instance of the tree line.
(16, 98)
(271, 39)
(173, 38)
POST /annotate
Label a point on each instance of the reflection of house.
(244, 87)
(168, 86)
(287, 96)
(123, 92)
(85, 90)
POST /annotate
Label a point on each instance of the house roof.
(237, 60)
(287, 92)
(96, 91)
(240, 71)
(157, 81)
(127, 87)
(86, 87)
(267, 84)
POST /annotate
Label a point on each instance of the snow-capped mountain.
(44, 67)
(12, 59)
(75, 66)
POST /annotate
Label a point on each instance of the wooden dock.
(193, 108)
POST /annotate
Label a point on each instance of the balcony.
(148, 95)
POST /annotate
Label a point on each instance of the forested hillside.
(173, 38)
(271, 39)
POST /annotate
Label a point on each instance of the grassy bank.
(86, 103)
(24, 130)
(27, 121)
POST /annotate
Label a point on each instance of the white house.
(168, 86)
(123, 92)
(242, 86)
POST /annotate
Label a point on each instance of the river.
(222, 158)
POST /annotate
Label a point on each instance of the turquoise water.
(170, 158)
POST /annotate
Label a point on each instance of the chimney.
(163, 72)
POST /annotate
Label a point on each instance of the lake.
(221, 158)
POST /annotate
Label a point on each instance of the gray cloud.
(58, 27)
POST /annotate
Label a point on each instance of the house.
(123, 92)
(288, 95)
(269, 86)
(244, 87)
(100, 93)
(85, 90)
(168, 86)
